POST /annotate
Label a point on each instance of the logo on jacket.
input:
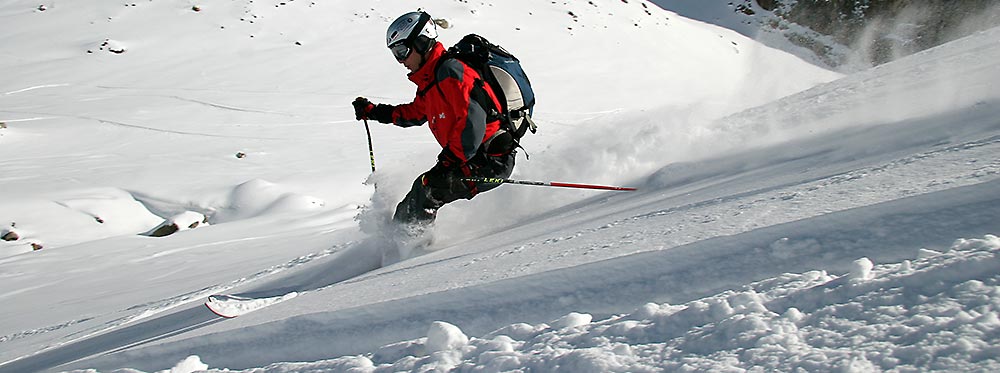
(439, 116)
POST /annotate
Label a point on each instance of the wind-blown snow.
(788, 217)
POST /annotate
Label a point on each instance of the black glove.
(446, 175)
(448, 160)
(440, 178)
(362, 108)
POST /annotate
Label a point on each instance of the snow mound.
(259, 197)
(191, 364)
(443, 336)
(72, 217)
(936, 312)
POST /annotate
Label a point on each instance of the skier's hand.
(438, 178)
(448, 160)
(443, 181)
(362, 108)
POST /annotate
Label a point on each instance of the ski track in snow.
(153, 129)
(36, 87)
(25, 119)
(228, 107)
(176, 132)
(188, 248)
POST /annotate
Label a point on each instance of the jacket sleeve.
(411, 114)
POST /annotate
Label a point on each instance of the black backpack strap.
(480, 96)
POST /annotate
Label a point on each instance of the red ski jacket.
(445, 100)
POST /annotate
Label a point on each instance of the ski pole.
(371, 151)
(546, 183)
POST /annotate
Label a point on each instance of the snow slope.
(937, 311)
(741, 249)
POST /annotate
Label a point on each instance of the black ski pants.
(440, 186)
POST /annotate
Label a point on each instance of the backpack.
(502, 72)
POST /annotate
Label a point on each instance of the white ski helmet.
(412, 30)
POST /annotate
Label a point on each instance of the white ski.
(230, 306)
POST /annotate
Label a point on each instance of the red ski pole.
(547, 183)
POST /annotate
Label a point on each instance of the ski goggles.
(400, 51)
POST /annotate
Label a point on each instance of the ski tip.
(230, 306)
(217, 312)
(220, 304)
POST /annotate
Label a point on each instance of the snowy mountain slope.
(219, 112)
(845, 36)
(877, 164)
(879, 190)
(750, 19)
(177, 90)
(677, 276)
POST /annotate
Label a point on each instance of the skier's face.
(413, 61)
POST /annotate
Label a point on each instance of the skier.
(448, 96)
